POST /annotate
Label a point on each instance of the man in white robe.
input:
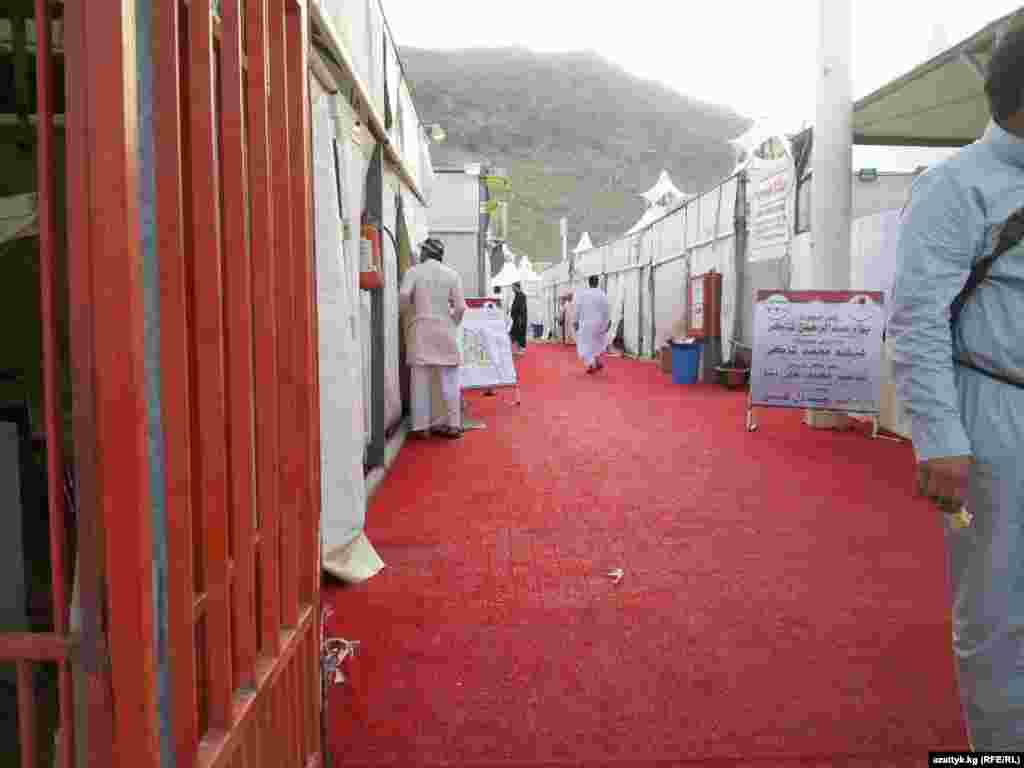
(593, 321)
(433, 304)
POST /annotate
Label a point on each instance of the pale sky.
(754, 56)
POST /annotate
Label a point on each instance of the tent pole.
(832, 192)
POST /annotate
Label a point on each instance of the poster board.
(771, 194)
(486, 347)
(818, 350)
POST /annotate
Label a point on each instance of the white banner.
(486, 349)
(771, 194)
(819, 350)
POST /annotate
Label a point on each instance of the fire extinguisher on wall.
(370, 277)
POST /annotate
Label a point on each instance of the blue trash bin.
(685, 363)
(538, 330)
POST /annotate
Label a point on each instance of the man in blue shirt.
(963, 387)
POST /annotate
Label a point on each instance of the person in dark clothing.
(519, 320)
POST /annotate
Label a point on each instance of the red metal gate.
(237, 398)
(239, 386)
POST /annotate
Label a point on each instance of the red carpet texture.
(783, 600)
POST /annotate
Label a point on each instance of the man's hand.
(944, 480)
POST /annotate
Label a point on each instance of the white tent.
(650, 216)
(664, 193)
(509, 273)
(527, 274)
(584, 244)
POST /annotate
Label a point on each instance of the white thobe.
(593, 314)
(433, 305)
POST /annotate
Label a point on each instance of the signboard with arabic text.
(818, 350)
(486, 348)
(771, 192)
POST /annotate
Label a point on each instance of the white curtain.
(727, 266)
(616, 296)
(646, 313)
(392, 389)
(354, 160)
(669, 298)
(343, 488)
(631, 310)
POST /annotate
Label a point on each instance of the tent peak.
(664, 192)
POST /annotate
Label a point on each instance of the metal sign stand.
(752, 425)
(477, 303)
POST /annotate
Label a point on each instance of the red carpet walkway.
(783, 601)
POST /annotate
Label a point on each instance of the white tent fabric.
(873, 253)
(531, 282)
(584, 244)
(590, 263)
(727, 266)
(355, 160)
(647, 346)
(650, 216)
(343, 488)
(664, 193)
(526, 272)
(670, 280)
(616, 298)
(509, 273)
(631, 310)
(392, 326)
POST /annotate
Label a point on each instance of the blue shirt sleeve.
(939, 237)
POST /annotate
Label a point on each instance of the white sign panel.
(697, 303)
(819, 350)
(771, 194)
(486, 349)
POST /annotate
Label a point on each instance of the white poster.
(820, 350)
(486, 349)
(697, 302)
(771, 189)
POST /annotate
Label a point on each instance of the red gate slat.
(92, 600)
(118, 402)
(212, 476)
(302, 230)
(264, 320)
(27, 720)
(174, 374)
(239, 333)
(291, 477)
(45, 170)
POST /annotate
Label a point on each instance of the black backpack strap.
(1011, 232)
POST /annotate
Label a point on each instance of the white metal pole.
(832, 157)
(832, 161)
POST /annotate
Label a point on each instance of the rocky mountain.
(580, 136)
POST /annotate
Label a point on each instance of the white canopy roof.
(584, 244)
(664, 192)
(650, 216)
